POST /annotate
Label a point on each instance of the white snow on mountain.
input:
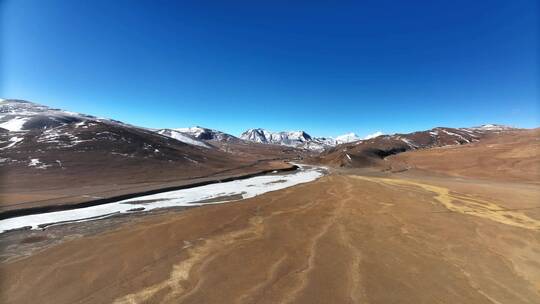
(12, 142)
(492, 127)
(292, 139)
(376, 134)
(298, 139)
(62, 129)
(347, 138)
(180, 136)
(20, 115)
(194, 131)
(206, 134)
(14, 124)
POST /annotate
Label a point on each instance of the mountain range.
(30, 133)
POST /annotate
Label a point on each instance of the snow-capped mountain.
(23, 116)
(42, 148)
(203, 137)
(491, 127)
(297, 139)
(292, 139)
(377, 146)
(347, 138)
(27, 128)
(61, 127)
(183, 137)
(206, 134)
(37, 136)
(376, 134)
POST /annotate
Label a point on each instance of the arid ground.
(439, 228)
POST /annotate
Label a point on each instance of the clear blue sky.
(327, 67)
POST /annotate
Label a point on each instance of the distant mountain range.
(39, 137)
(20, 115)
(26, 126)
(375, 148)
(201, 133)
(297, 139)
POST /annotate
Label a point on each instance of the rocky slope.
(512, 155)
(183, 137)
(44, 149)
(31, 131)
(201, 133)
(369, 152)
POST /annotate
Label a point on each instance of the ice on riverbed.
(198, 196)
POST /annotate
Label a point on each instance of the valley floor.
(345, 238)
(35, 194)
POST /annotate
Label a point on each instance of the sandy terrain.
(512, 156)
(66, 194)
(435, 234)
(342, 239)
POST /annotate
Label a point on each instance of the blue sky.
(327, 67)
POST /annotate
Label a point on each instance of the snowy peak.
(22, 116)
(298, 135)
(201, 133)
(347, 138)
(255, 135)
(292, 139)
(376, 134)
(297, 139)
(25, 123)
(492, 127)
(183, 137)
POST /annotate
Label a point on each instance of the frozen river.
(209, 194)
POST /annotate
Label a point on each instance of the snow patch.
(35, 162)
(455, 135)
(492, 127)
(183, 138)
(61, 139)
(408, 142)
(198, 196)
(347, 138)
(14, 124)
(376, 134)
(14, 140)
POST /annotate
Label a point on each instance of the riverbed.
(218, 193)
